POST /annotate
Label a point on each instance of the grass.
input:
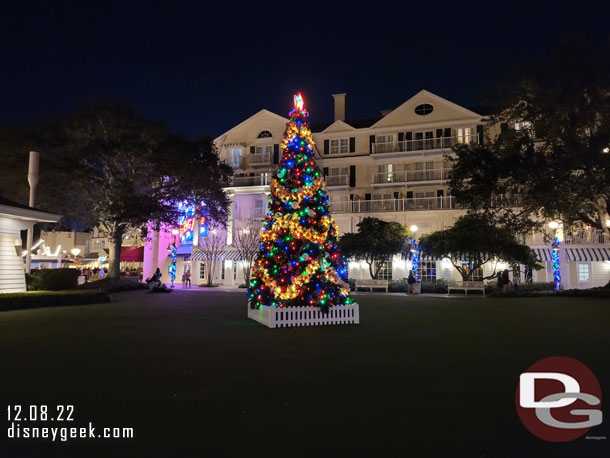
(419, 377)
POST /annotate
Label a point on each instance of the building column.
(230, 219)
(30, 244)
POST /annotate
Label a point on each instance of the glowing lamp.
(75, 251)
(298, 102)
(174, 231)
(553, 225)
(608, 222)
(413, 228)
(446, 262)
(501, 265)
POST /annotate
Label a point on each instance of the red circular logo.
(559, 399)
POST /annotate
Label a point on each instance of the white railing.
(422, 144)
(260, 158)
(336, 180)
(405, 176)
(584, 237)
(257, 180)
(281, 317)
(395, 205)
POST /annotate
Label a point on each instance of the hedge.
(52, 279)
(36, 299)
(114, 285)
(600, 292)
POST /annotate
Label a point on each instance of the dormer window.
(265, 134)
(424, 109)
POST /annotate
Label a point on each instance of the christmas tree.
(299, 262)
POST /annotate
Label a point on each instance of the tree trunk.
(115, 253)
(373, 276)
(602, 212)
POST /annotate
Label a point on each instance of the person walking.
(102, 273)
(505, 281)
(187, 277)
(411, 282)
(516, 278)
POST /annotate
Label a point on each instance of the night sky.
(207, 67)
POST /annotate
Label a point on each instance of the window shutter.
(371, 141)
(252, 149)
(439, 133)
(401, 136)
(352, 176)
(409, 194)
(480, 133)
(326, 145)
(367, 196)
(352, 144)
(325, 171)
(276, 153)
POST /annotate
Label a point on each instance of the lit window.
(385, 273)
(265, 134)
(523, 125)
(464, 135)
(584, 273)
(234, 155)
(428, 270)
(202, 271)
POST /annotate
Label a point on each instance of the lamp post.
(554, 225)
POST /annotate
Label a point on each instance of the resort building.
(390, 167)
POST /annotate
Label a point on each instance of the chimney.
(339, 106)
(33, 175)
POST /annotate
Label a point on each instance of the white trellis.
(281, 317)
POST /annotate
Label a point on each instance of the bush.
(492, 287)
(36, 299)
(52, 279)
(600, 292)
(430, 286)
(114, 285)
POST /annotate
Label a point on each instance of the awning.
(133, 255)
(588, 254)
(542, 254)
(463, 256)
(227, 255)
(184, 250)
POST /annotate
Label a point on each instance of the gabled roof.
(263, 112)
(405, 114)
(337, 126)
(21, 211)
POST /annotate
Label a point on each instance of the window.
(234, 270)
(264, 149)
(234, 155)
(339, 203)
(339, 146)
(385, 273)
(584, 273)
(259, 209)
(428, 270)
(388, 138)
(523, 125)
(477, 274)
(464, 135)
(202, 271)
(222, 270)
(265, 134)
(424, 109)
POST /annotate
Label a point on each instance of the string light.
(556, 264)
(299, 262)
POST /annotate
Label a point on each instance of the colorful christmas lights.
(172, 265)
(556, 264)
(299, 262)
(415, 259)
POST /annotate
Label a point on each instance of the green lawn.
(419, 377)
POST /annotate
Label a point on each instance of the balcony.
(395, 205)
(410, 176)
(258, 180)
(259, 159)
(415, 147)
(583, 237)
(336, 181)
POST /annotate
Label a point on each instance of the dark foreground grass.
(419, 377)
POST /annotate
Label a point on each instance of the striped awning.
(588, 254)
(227, 255)
(542, 254)
(424, 257)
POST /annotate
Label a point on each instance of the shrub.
(114, 285)
(600, 292)
(52, 279)
(36, 299)
(438, 286)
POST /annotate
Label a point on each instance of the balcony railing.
(406, 176)
(336, 180)
(422, 144)
(260, 158)
(395, 205)
(584, 237)
(257, 180)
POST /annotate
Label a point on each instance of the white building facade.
(391, 167)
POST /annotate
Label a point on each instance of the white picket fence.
(280, 317)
